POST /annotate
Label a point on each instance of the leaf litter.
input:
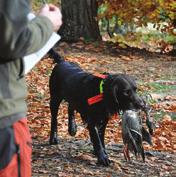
(73, 156)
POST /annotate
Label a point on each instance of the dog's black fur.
(69, 82)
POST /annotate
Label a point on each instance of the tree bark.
(79, 20)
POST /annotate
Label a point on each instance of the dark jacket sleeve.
(19, 36)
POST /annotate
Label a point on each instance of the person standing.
(19, 37)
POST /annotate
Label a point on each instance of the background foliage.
(138, 21)
(135, 22)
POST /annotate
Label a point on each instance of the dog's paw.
(103, 159)
(72, 129)
(53, 140)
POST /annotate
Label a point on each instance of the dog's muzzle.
(139, 103)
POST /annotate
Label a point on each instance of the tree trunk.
(79, 20)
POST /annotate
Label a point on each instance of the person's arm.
(18, 36)
(40, 29)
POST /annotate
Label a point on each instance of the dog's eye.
(127, 92)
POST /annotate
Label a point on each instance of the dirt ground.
(73, 156)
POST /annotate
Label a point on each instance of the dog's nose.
(140, 103)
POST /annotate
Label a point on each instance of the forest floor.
(73, 157)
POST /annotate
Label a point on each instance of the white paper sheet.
(31, 60)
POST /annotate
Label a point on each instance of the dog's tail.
(57, 58)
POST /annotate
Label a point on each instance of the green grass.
(160, 114)
(155, 35)
(161, 88)
(173, 116)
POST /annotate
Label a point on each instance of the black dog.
(95, 98)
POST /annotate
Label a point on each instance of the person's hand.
(53, 13)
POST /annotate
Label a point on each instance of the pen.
(44, 1)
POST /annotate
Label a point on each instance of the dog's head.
(121, 92)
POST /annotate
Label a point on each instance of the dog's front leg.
(98, 147)
(101, 131)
